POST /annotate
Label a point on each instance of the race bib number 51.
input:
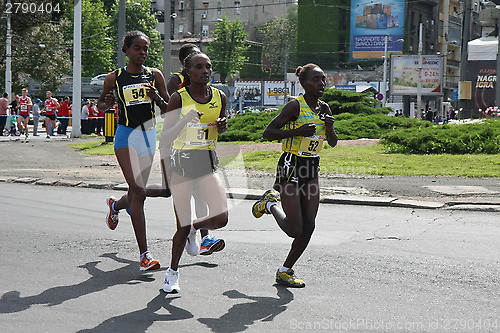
(310, 146)
(201, 134)
(135, 94)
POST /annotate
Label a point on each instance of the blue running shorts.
(144, 142)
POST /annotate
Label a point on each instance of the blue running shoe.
(210, 245)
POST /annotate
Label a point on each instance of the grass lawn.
(368, 160)
(371, 160)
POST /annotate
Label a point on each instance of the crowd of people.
(55, 113)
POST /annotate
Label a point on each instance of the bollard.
(109, 125)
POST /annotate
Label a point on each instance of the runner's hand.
(306, 130)
(221, 124)
(110, 99)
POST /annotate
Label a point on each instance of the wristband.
(161, 102)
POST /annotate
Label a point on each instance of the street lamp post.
(386, 37)
(8, 56)
(386, 46)
(419, 80)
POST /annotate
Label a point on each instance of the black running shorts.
(296, 170)
(192, 163)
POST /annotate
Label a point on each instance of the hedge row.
(249, 126)
(483, 138)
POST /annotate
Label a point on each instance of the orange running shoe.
(112, 216)
(148, 263)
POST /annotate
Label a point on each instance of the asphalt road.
(368, 269)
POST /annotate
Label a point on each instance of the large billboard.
(405, 75)
(249, 91)
(371, 21)
(274, 91)
(483, 76)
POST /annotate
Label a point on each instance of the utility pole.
(465, 51)
(77, 70)
(286, 73)
(167, 46)
(419, 81)
(121, 33)
(444, 52)
(384, 91)
(8, 57)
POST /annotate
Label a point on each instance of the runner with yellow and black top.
(193, 152)
(137, 87)
(135, 107)
(303, 125)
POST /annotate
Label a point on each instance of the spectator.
(85, 117)
(4, 107)
(63, 115)
(100, 122)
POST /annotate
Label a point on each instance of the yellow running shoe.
(289, 279)
(259, 208)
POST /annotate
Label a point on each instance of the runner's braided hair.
(303, 71)
(130, 36)
(186, 49)
(189, 58)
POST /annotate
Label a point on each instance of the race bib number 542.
(135, 94)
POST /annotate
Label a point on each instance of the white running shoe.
(171, 281)
(192, 246)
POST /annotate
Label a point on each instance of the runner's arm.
(290, 112)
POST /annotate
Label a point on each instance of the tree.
(43, 56)
(97, 50)
(279, 41)
(227, 51)
(140, 18)
(36, 29)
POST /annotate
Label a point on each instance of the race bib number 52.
(310, 146)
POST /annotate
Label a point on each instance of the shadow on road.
(241, 316)
(141, 320)
(12, 302)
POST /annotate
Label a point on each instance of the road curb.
(253, 194)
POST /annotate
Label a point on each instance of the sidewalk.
(54, 162)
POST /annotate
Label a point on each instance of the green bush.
(247, 126)
(349, 127)
(341, 101)
(478, 138)
(250, 126)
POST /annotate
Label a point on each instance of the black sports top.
(135, 107)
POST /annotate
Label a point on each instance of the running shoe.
(112, 216)
(259, 208)
(289, 279)
(210, 245)
(148, 263)
(171, 282)
(192, 246)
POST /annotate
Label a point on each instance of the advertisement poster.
(371, 21)
(250, 91)
(274, 91)
(405, 75)
(483, 75)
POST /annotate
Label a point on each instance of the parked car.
(97, 82)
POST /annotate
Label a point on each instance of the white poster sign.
(405, 74)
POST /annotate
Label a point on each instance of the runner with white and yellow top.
(195, 117)
(303, 125)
